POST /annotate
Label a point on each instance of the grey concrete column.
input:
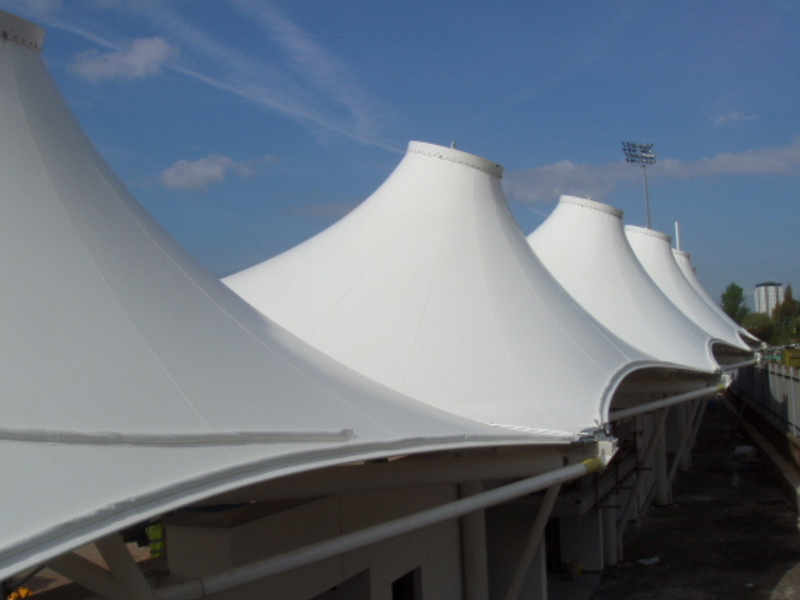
(662, 491)
(473, 547)
(610, 510)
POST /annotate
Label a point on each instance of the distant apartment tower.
(768, 296)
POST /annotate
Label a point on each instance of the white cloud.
(547, 183)
(43, 7)
(312, 86)
(732, 117)
(320, 68)
(565, 177)
(142, 58)
(201, 174)
(784, 160)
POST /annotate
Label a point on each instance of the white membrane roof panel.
(653, 250)
(684, 260)
(133, 381)
(583, 245)
(430, 287)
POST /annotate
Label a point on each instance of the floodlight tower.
(644, 155)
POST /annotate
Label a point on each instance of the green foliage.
(794, 330)
(787, 320)
(733, 303)
(788, 309)
(760, 325)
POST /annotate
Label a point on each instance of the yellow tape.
(593, 464)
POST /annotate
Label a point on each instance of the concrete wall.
(194, 551)
(507, 533)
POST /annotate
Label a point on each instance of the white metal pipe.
(664, 388)
(473, 547)
(255, 571)
(89, 575)
(533, 543)
(739, 365)
(124, 568)
(626, 413)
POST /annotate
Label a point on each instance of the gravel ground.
(730, 534)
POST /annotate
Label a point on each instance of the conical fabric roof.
(133, 380)
(430, 287)
(684, 260)
(654, 251)
(583, 245)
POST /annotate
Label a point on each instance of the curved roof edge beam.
(653, 250)
(684, 260)
(430, 287)
(583, 245)
(132, 369)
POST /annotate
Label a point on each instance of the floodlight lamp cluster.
(639, 153)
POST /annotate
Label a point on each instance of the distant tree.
(786, 310)
(795, 329)
(786, 316)
(760, 325)
(733, 303)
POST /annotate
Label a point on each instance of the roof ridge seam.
(21, 31)
(494, 170)
(602, 211)
(594, 205)
(11, 37)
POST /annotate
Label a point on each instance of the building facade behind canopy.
(768, 296)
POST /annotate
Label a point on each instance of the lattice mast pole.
(641, 154)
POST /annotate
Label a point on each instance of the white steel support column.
(533, 544)
(260, 569)
(473, 547)
(89, 575)
(698, 419)
(124, 568)
(647, 472)
(630, 502)
(683, 457)
(695, 412)
(610, 510)
(662, 491)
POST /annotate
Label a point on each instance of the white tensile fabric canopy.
(654, 251)
(684, 260)
(430, 287)
(583, 244)
(134, 382)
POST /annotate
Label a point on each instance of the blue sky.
(246, 126)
